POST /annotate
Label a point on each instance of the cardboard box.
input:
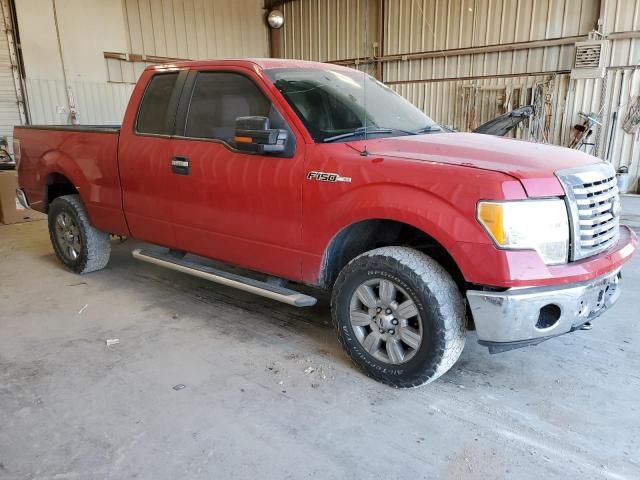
(10, 209)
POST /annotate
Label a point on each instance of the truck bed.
(86, 156)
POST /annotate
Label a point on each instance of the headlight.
(541, 225)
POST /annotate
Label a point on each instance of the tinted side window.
(152, 116)
(218, 99)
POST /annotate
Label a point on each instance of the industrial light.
(275, 19)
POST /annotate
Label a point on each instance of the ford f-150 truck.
(318, 174)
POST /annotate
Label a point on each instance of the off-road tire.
(439, 302)
(95, 244)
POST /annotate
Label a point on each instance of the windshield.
(331, 104)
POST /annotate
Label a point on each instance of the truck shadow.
(175, 297)
(236, 313)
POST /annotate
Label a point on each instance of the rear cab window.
(156, 114)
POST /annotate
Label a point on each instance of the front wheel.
(78, 244)
(399, 315)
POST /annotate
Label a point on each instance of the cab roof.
(261, 63)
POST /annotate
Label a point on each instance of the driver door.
(241, 208)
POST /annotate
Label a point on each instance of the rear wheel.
(399, 316)
(80, 246)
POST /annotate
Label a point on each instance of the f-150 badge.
(327, 177)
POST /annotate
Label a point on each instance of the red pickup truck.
(318, 174)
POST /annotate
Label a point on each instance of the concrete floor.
(73, 408)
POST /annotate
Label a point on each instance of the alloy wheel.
(386, 321)
(68, 236)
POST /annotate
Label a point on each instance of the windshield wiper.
(362, 130)
(357, 132)
(428, 129)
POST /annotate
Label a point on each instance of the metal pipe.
(503, 47)
(478, 77)
(623, 35)
(73, 119)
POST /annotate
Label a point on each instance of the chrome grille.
(594, 205)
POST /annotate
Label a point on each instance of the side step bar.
(258, 287)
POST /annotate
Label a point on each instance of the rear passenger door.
(145, 153)
(239, 207)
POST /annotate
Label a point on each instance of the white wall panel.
(97, 102)
(197, 29)
(87, 29)
(100, 87)
(47, 101)
(122, 71)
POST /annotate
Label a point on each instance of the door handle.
(180, 165)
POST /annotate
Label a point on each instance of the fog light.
(549, 316)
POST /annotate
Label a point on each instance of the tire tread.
(448, 302)
(97, 242)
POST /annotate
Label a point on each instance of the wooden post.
(275, 42)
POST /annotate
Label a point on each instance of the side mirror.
(254, 135)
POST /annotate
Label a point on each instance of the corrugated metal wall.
(314, 30)
(327, 30)
(121, 71)
(623, 16)
(97, 102)
(420, 25)
(186, 29)
(622, 84)
(459, 88)
(197, 29)
(9, 98)
(334, 30)
(466, 104)
(617, 146)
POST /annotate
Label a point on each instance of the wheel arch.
(367, 234)
(56, 185)
(61, 176)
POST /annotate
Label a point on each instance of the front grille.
(594, 205)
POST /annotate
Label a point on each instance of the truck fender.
(56, 162)
(427, 212)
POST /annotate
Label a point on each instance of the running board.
(247, 284)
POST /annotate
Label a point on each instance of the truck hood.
(533, 164)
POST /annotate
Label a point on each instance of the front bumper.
(518, 317)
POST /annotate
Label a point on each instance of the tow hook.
(586, 326)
